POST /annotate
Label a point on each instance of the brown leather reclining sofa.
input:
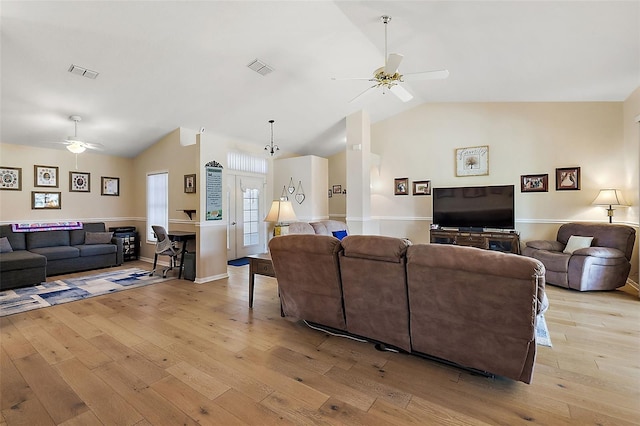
(470, 307)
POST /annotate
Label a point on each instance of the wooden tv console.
(489, 240)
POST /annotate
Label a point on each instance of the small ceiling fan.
(77, 145)
(388, 76)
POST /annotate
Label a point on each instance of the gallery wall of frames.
(47, 193)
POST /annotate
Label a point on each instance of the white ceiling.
(167, 64)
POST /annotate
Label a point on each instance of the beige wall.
(523, 138)
(16, 205)
(312, 172)
(338, 176)
(632, 163)
(167, 155)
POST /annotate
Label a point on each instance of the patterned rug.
(63, 291)
(542, 332)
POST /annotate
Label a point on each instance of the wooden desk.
(259, 264)
(181, 237)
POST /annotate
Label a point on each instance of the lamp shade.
(610, 197)
(281, 212)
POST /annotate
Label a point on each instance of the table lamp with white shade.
(611, 198)
(281, 213)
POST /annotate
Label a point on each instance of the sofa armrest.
(601, 252)
(119, 250)
(545, 245)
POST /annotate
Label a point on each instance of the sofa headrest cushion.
(575, 243)
(91, 238)
(305, 243)
(300, 228)
(319, 228)
(376, 247)
(47, 239)
(473, 260)
(5, 245)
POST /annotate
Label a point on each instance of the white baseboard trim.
(198, 280)
(204, 280)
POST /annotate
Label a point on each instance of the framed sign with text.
(213, 172)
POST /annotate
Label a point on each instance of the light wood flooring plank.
(60, 401)
(195, 404)
(176, 352)
(107, 405)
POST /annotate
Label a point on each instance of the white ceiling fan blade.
(426, 75)
(393, 62)
(94, 145)
(350, 78)
(368, 90)
(401, 93)
(88, 145)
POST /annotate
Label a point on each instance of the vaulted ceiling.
(169, 64)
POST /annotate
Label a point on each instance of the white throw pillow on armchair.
(576, 243)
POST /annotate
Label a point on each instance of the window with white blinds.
(246, 163)
(157, 202)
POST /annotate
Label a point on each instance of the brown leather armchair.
(604, 265)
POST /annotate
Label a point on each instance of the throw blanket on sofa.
(50, 226)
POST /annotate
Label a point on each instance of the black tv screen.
(474, 207)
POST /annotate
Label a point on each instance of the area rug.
(239, 262)
(542, 332)
(62, 291)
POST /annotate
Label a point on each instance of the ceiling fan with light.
(77, 145)
(388, 76)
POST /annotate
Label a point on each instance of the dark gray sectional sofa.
(37, 255)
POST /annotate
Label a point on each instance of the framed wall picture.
(568, 179)
(401, 186)
(45, 200)
(190, 184)
(421, 187)
(79, 182)
(472, 161)
(534, 183)
(110, 186)
(45, 176)
(330, 193)
(11, 178)
(337, 189)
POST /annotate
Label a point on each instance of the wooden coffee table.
(259, 264)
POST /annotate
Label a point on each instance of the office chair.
(164, 247)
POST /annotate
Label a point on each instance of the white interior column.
(359, 174)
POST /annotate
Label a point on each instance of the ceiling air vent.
(260, 67)
(74, 69)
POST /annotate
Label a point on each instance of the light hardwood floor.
(184, 353)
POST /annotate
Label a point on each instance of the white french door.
(246, 231)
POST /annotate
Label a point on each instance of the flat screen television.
(474, 207)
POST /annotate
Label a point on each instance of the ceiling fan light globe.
(76, 148)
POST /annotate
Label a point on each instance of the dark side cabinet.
(130, 241)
